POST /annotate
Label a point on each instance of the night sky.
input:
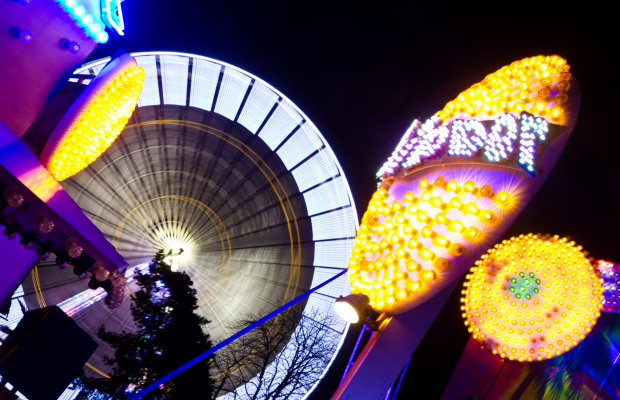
(362, 73)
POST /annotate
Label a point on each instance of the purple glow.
(610, 273)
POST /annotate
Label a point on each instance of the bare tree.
(280, 359)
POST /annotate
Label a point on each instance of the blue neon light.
(89, 24)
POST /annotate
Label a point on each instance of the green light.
(523, 285)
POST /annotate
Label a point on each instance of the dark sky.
(362, 73)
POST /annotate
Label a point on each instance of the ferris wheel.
(227, 175)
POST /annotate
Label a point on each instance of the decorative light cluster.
(513, 104)
(90, 24)
(533, 131)
(501, 138)
(532, 298)
(467, 138)
(610, 273)
(538, 85)
(421, 141)
(402, 246)
(98, 125)
(493, 141)
(397, 159)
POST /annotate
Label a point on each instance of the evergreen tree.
(169, 334)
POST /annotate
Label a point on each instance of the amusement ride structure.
(104, 164)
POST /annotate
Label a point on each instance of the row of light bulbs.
(85, 20)
(401, 247)
(100, 123)
(537, 85)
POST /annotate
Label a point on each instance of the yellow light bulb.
(440, 241)
(471, 233)
(428, 275)
(441, 219)
(470, 208)
(452, 186)
(469, 187)
(456, 226)
(455, 202)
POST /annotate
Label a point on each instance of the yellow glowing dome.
(532, 298)
(536, 85)
(95, 119)
(458, 180)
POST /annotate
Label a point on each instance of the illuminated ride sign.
(458, 180)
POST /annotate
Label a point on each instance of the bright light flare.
(347, 312)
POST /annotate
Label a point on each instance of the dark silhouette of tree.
(280, 359)
(169, 333)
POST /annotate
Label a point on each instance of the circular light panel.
(532, 298)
